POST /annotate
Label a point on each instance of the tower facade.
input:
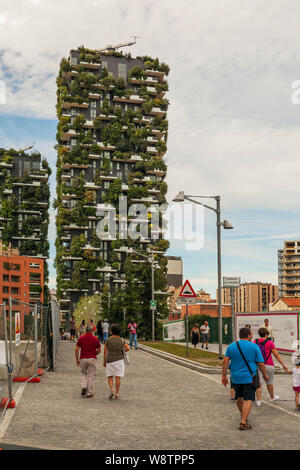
(24, 209)
(111, 139)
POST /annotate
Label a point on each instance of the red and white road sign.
(187, 290)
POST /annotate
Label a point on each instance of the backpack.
(263, 349)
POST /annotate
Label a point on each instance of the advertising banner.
(285, 327)
(174, 330)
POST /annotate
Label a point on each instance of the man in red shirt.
(89, 348)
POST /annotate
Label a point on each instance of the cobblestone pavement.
(283, 384)
(161, 406)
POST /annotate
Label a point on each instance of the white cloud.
(233, 128)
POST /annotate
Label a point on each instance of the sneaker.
(276, 397)
(89, 396)
(111, 396)
(83, 392)
(258, 403)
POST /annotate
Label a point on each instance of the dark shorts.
(204, 338)
(245, 391)
(72, 332)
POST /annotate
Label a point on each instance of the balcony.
(157, 112)
(135, 99)
(152, 150)
(151, 89)
(68, 105)
(155, 73)
(90, 65)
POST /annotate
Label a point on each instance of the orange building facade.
(22, 278)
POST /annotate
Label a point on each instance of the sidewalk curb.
(198, 367)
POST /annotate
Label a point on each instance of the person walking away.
(105, 330)
(267, 348)
(245, 356)
(133, 334)
(296, 381)
(269, 328)
(82, 328)
(113, 360)
(205, 331)
(89, 348)
(251, 334)
(195, 335)
(72, 324)
(99, 331)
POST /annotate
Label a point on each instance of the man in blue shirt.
(240, 374)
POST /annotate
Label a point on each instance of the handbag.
(125, 355)
(255, 378)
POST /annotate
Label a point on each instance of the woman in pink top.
(267, 348)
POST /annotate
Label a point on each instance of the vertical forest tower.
(111, 141)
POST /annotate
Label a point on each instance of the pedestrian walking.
(267, 349)
(296, 382)
(72, 325)
(195, 335)
(251, 334)
(245, 357)
(89, 348)
(113, 360)
(133, 334)
(92, 325)
(269, 328)
(82, 328)
(99, 330)
(105, 330)
(205, 332)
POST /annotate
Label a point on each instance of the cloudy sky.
(233, 126)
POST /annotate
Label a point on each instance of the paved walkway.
(161, 406)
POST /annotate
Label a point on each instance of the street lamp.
(181, 197)
(153, 263)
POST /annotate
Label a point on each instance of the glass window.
(104, 65)
(93, 104)
(74, 60)
(93, 113)
(122, 72)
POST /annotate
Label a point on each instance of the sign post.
(187, 292)
(17, 329)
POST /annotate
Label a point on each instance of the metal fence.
(28, 343)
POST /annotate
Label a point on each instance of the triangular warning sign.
(187, 290)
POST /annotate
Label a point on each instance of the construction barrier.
(26, 346)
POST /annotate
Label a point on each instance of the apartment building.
(289, 269)
(22, 279)
(112, 135)
(254, 296)
(24, 205)
(280, 274)
(174, 271)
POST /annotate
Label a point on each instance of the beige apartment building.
(254, 296)
(226, 295)
(289, 269)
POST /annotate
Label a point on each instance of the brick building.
(210, 309)
(22, 278)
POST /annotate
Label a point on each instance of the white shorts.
(115, 369)
(270, 374)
